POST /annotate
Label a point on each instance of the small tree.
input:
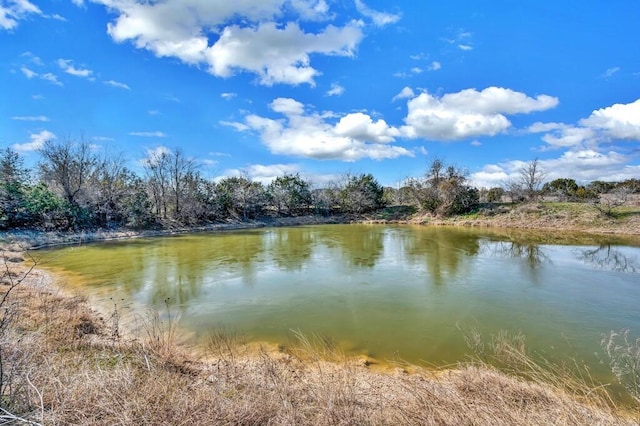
(240, 197)
(495, 194)
(362, 194)
(444, 190)
(13, 185)
(563, 188)
(290, 194)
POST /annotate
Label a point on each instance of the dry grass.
(64, 366)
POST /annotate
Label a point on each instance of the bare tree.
(531, 178)
(68, 166)
(181, 175)
(157, 170)
(607, 204)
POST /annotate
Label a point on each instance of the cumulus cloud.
(247, 38)
(278, 55)
(582, 165)
(335, 90)
(468, 113)
(405, 93)
(36, 142)
(228, 96)
(361, 127)
(67, 66)
(266, 173)
(153, 155)
(380, 19)
(435, 66)
(310, 134)
(13, 11)
(619, 122)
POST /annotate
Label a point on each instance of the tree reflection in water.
(610, 258)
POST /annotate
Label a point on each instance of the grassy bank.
(573, 217)
(64, 363)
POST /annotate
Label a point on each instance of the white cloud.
(610, 72)
(476, 143)
(335, 90)
(31, 118)
(16, 10)
(465, 47)
(241, 127)
(246, 38)
(569, 136)
(278, 55)
(51, 78)
(67, 66)
(156, 134)
(405, 93)
(28, 73)
(312, 135)
(117, 84)
(154, 154)
(468, 113)
(36, 142)
(619, 121)
(267, 173)
(584, 165)
(228, 96)
(33, 58)
(379, 19)
(435, 66)
(361, 127)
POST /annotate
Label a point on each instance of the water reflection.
(384, 289)
(291, 248)
(610, 258)
(441, 250)
(361, 249)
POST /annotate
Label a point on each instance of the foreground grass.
(64, 364)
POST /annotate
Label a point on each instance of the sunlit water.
(390, 292)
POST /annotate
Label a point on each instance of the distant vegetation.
(74, 187)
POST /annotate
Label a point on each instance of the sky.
(262, 88)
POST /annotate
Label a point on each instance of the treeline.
(75, 187)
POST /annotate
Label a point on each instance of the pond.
(389, 292)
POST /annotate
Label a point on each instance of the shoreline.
(318, 368)
(527, 217)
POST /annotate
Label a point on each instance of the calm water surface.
(391, 292)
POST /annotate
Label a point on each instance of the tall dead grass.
(66, 368)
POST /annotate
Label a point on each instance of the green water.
(391, 292)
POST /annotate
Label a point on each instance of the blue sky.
(324, 87)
